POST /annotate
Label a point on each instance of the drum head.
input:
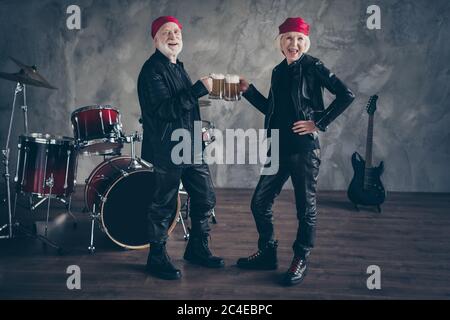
(124, 214)
(125, 210)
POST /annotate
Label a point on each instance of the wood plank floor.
(409, 241)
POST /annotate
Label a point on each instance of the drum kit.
(116, 193)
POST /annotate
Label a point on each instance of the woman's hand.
(304, 127)
(243, 84)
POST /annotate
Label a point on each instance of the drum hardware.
(185, 209)
(132, 139)
(27, 75)
(185, 212)
(94, 218)
(208, 128)
(204, 103)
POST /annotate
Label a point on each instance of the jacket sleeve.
(344, 97)
(257, 99)
(156, 97)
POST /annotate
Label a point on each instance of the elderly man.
(169, 101)
(295, 107)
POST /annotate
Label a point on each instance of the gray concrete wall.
(406, 63)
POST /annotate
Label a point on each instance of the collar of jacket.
(296, 64)
(161, 57)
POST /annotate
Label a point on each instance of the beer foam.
(217, 76)
(232, 78)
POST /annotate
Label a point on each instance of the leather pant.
(303, 168)
(198, 184)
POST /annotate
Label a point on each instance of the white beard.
(169, 52)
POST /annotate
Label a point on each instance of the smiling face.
(293, 44)
(169, 40)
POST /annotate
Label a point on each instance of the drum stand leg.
(180, 219)
(37, 204)
(50, 183)
(68, 204)
(94, 217)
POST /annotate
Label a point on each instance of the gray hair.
(278, 42)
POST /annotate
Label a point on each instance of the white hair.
(278, 42)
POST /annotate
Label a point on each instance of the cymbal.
(27, 75)
(23, 78)
(204, 103)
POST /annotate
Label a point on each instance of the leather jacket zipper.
(165, 132)
(272, 107)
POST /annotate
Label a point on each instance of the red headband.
(158, 23)
(294, 25)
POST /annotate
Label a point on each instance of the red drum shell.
(96, 129)
(41, 156)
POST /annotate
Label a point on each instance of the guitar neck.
(369, 142)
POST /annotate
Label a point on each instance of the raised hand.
(243, 84)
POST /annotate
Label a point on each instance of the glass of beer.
(232, 92)
(218, 85)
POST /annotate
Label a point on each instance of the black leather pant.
(198, 184)
(303, 168)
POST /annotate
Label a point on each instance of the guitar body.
(366, 187)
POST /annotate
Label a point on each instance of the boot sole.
(215, 266)
(268, 268)
(290, 283)
(164, 276)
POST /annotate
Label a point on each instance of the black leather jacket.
(165, 99)
(311, 76)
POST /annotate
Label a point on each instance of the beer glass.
(232, 92)
(218, 83)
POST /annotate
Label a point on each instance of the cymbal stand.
(10, 226)
(25, 109)
(5, 160)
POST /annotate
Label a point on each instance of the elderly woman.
(295, 107)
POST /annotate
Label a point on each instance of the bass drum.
(121, 194)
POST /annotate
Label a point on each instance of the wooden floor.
(409, 241)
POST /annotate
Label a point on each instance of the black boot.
(159, 264)
(197, 252)
(296, 272)
(263, 259)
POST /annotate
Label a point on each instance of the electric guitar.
(366, 187)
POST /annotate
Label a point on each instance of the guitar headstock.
(372, 104)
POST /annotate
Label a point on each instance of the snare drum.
(121, 195)
(46, 165)
(97, 130)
